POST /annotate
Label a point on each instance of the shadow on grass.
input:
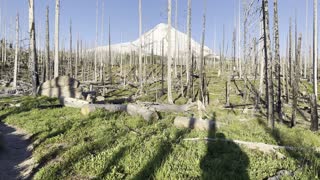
(223, 159)
(113, 161)
(164, 150)
(306, 157)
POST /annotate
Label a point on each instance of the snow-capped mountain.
(153, 40)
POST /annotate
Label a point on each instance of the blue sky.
(124, 17)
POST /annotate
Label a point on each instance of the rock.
(100, 98)
(61, 87)
(90, 98)
(61, 81)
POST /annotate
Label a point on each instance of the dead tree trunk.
(268, 60)
(169, 93)
(101, 73)
(96, 44)
(77, 59)
(16, 54)
(110, 60)
(132, 109)
(32, 50)
(290, 54)
(189, 60)
(162, 67)
(295, 90)
(314, 99)
(140, 47)
(277, 58)
(48, 63)
(56, 40)
(202, 68)
(70, 56)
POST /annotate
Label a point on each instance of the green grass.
(117, 146)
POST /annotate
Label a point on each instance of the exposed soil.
(15, 154)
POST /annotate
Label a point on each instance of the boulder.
(61, 81)
(61, 87)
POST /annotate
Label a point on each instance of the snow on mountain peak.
(154, 38)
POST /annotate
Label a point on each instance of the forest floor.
(105, 145)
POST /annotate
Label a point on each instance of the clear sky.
(124, 18)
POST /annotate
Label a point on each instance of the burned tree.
(33, 61)
(277, 58)
(56, 40)
(314, 96)
(295, 83)
(268, 64)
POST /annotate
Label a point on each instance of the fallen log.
(266, 148)
(169, 107)
(72, 102)
(132, 109)
(193, 123)
(120, 100)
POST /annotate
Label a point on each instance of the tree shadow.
(164, 150)
(305, 156)
(223, 159)
(113, 161)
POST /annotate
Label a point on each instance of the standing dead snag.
(48, 63)
(290, 54)
(96, 44)
(56, 40)
(314, 96)
(32, 50)
(202, 94)
(110, 63)
(295, 90)
(277, 58)
(169, 93)
(268, 60)
(101, 69)
(189, 60)
(70, 53)
(140, 46)
(16, 54)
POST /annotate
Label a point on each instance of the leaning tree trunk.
(16, 54)
(32, 50)
(56, 40)
(267, 52)
(314, 97)
(169, 93)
